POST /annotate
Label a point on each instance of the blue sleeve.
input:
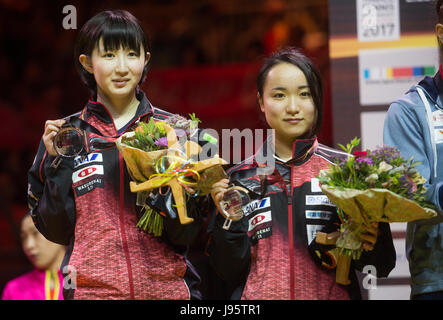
(404, 130)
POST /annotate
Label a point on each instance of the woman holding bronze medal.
(79, 187)
(271, 252)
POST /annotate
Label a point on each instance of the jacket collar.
(100, 111)
(302, 149)
(433, 86)
(247, 175)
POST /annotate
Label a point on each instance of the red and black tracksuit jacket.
(87, 205)
(271, 252)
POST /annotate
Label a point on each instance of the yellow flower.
(160, 127)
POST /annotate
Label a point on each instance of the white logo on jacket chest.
(313, 200)
(92, 157)
(315, 185)
(86, 172)
(258, 219)
(256, 205)
(311, 231)
(318, 214)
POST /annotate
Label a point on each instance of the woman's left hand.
(369, 236)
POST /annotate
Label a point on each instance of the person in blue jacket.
(414, 125)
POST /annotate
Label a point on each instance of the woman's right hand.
(51, 129)
(218, 191)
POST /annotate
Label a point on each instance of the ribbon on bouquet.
(178, 175)
(182, 171)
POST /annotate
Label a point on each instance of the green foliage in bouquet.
(151, 136)
(151, 222)
(147, 136)
(372, 186)
(381, 168)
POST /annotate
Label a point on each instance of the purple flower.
(364, 160)
(386, 154)
(161, 142)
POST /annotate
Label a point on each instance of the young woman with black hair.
(85, 202)
(271, 252)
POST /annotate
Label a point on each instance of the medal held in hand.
(73, 140)
(68, 142)
(231, 205)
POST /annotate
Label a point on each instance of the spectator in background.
(45, 282)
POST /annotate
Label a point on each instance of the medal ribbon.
(51, 293)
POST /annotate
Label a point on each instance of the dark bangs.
(118, 33)
(117, 28)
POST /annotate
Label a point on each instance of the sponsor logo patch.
(315, 185)
(261, 234)
(259, 219)
(92, 157)
(318, 214)
(260, 226)
(86, 172)
(313, 200)
(89, 186)
(256, 205)
(311, 230)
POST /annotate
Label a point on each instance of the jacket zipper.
(291, 246)
(291, 223)
(121, 211)
(291, 239)
(123, 229)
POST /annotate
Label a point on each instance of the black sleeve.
(229, 250)
(50, 197)
(186, 234)
(383, 256)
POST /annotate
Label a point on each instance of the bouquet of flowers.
(161, 154)
(373, 186)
